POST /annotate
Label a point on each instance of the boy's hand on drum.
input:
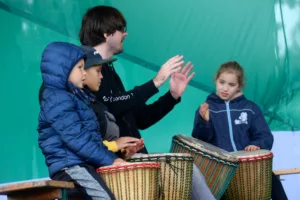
(204, 111)
(124, 142)
(130, 151)
(252, 148)
(174, 64)
(180, 80)
(139, 145)
(119, 161)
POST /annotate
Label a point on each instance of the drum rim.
(224, 157)
(128, 167)
(260, 152)
(249, 158)
(155, 157)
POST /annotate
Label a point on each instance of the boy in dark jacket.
(110, 133)
(229, 121)
(68, 129)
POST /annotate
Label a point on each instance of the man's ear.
(106, 36)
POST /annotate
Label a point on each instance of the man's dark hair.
(99, 20)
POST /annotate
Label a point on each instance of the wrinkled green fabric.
(263, 36)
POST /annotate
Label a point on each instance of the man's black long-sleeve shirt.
(130, 108)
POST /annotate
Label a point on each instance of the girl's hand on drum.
(204, 111)
(252, 148)
(124, 142)
(119, 161)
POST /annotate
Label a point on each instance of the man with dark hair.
(104, 28)
(98, 21)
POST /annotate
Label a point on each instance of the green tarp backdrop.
(263, 36)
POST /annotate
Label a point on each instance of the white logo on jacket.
(119, 98)
(242, 119)
(105, 98)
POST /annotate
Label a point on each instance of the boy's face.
(93, 78)
(77, 75)
(227, 86)
(115, 41)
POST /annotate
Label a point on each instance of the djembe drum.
(217, 165)
(253, 178)
(133, 181)
(176, 173)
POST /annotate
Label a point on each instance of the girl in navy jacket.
(230, 121)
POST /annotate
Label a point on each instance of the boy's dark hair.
(232, 67)
(99, 20)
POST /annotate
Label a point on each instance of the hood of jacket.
(58, 60)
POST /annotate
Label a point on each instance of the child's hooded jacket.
(68, 128)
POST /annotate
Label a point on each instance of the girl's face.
(93, 78)
(77, 75)
(227, 86)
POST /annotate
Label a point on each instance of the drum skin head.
(207, 148)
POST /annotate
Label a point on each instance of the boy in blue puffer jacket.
(229, 121)
(68, 129)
